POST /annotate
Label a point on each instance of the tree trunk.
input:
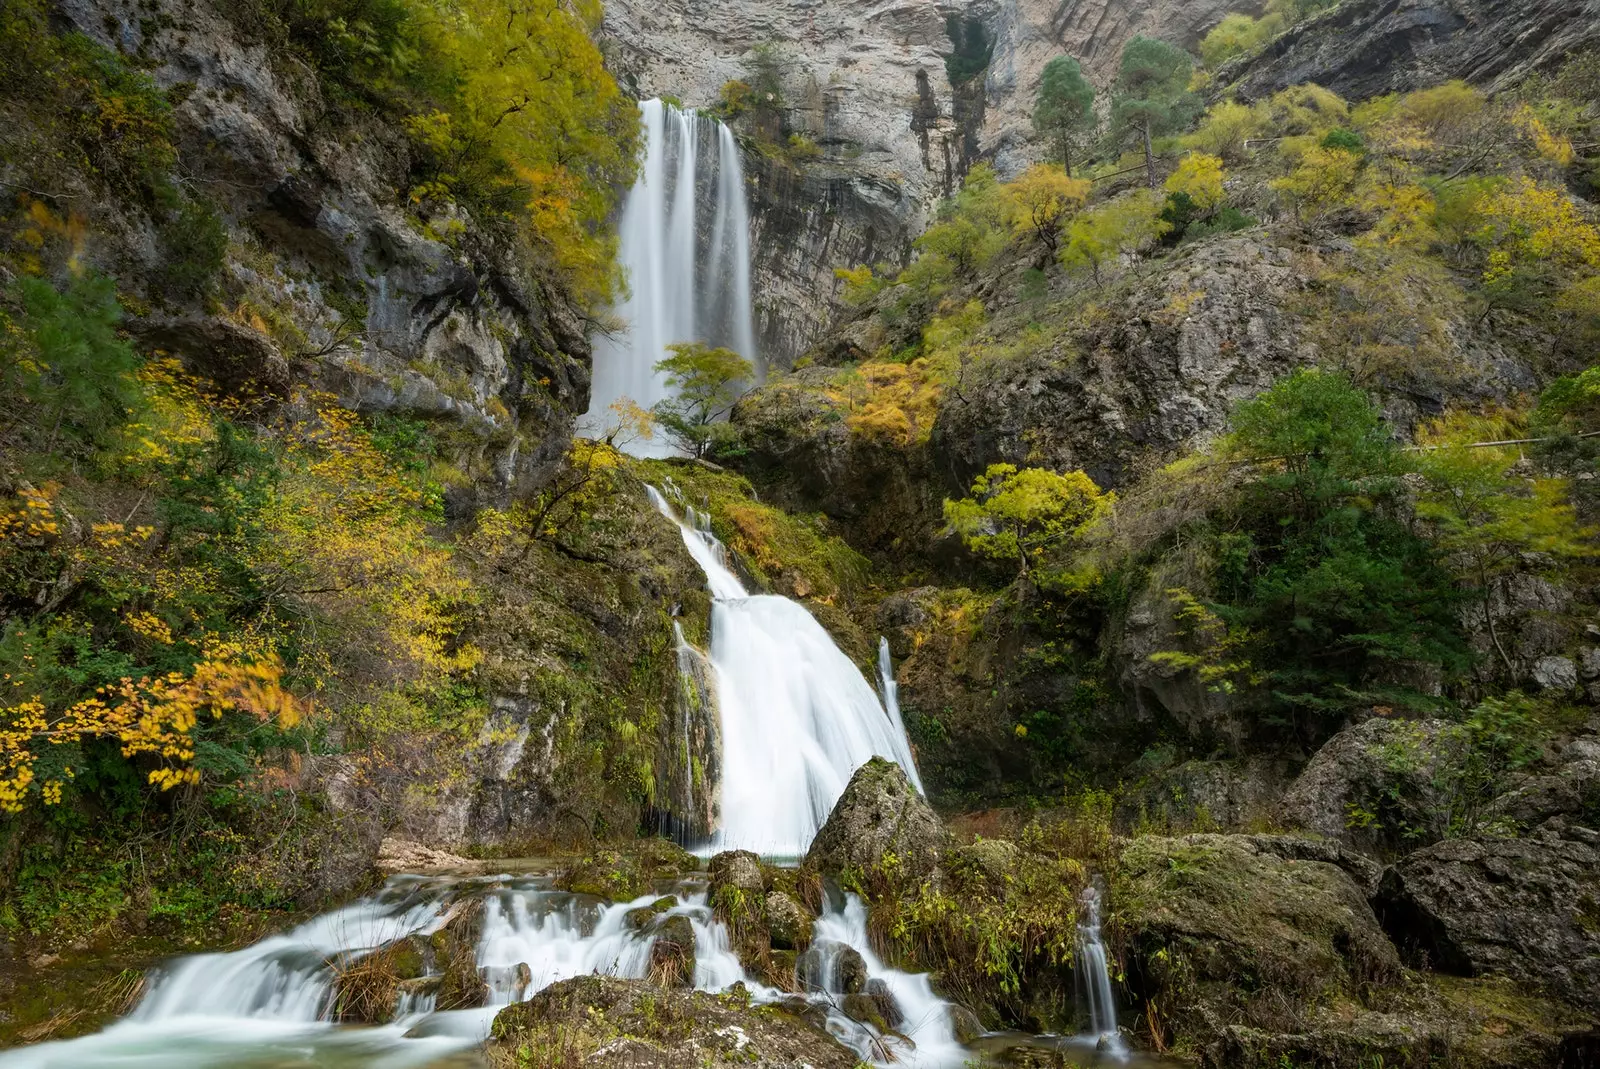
(1149, 156)
(1066, 156)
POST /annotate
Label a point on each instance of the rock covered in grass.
(788, 922)
(604, 1022)
(621, 872)
(455, 958)
(672, 957)
(1526, 908)
(880, 813)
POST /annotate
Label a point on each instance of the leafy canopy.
(1063, 110)
(1015, 515)
(706, 382)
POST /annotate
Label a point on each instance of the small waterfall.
(1095, 974)
(685, 248)
(798, 718)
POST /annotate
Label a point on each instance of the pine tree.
(1064, 109)
(1152, 94)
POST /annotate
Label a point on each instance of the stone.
(672, 954)
(1388, 769)
(738, 870)
(455, 949)
(879, 812)
(1554, 673)
(404, 855)
(833, 968)
(641, 917)
(1525, 908)
(628, 1024)
(1209, 919)
(788, 922)
(1370, 47)
(888, 1006)
(964, 1024)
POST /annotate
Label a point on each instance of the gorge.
(1109, 581)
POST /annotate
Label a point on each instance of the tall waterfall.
(798, 718)
(685, 234)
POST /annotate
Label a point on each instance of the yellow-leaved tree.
(532, 89)
(1018, 515)
(1041, 199)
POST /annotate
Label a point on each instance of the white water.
(798, 718)
(264, 1005)
(1095, 975)
(681, 288)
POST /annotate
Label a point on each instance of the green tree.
(1152, 94)
(1063, 111)
(1488, 516)
(1122, 225)
(1351, 603)
(1016, 515)
(706, 382)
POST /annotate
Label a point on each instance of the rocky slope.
(1369, 47)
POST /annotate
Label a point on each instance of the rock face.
(385, 316)
(879, 812)
(1369, 47)
(1200, 912)
(901, 99)
(1524, 908)
(628, 1024)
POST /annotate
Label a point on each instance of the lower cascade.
(797, 715)
(272, 1003)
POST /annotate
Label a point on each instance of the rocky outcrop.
(1366, 48)
(628, 1024)
(348, 287)
(1377, 779)
(1524, 908)
(879, 813)
(1224, 927)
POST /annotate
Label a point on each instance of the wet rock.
(367, 987)
(1524, 908)
(641, 917)
(863, 1009)
(788, 923)
(672, 954)
(833, 968)
(888, 1005)
(626, 871)
(964, 1024)
(1210, 919)
(879, 813)
(455, 948)
(628, 1024)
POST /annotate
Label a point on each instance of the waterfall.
(268, 1004)
(1095, 974)
(798, 718)
(685, 249)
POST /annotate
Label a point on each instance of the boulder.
(833, 968)
(879, 813)
(1375, 786)
(1554, 673)
(600, 1021)
(455, 957)
(888, 1006)
(626, 872)
(788, 923)
(736, 869)
(672, 957)
(1222, 927)
(367, 987)
(641, 917)
(1524, 908)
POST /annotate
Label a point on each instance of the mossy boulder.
(618, 873)
(788, 922)
(1528, 909)
(642, 917)
(600, 1021)
(367, 987)
(1219, 927)
(879, 814)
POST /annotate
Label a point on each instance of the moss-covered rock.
(627, 1024)
(1216, 927)
(879, 816)
(455, 957)
(788, 922)
(627, 870)
(672, 957)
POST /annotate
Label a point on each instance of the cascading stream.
(1095, 974)
(798, 718)
(685, 249)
